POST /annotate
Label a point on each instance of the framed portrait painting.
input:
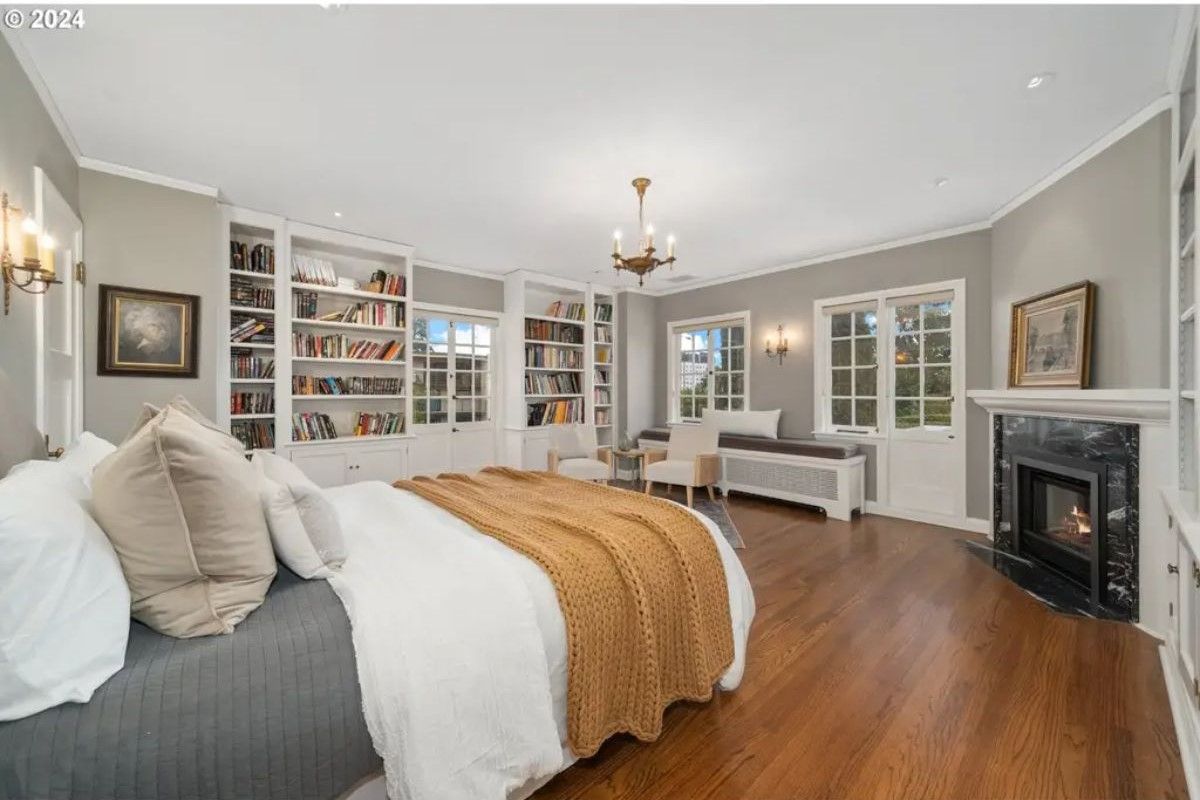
(1050, 344)
(144, 332)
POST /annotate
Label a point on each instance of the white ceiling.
(501, 138)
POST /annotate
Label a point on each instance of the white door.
(926, 451)
(453, 369)
(59, 314)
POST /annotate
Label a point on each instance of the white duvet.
(462, 650)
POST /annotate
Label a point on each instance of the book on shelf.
(564, 310)
(555, 412)
(390, 283)
(385, 423)
(603, 312)
(312, 426)
(243, 364)
(383, 315)
(244, 292)
(544, 330)
(603, 416)
(254, 434)
(310, 269)
(552, 383)
(603, 334)
(601, 396)
(251, 329)
(601, 376)
(334, 385)
(603, 355)
(309, 345)
(539, 355)
(251, 403)
(304, 305)
(260, 258)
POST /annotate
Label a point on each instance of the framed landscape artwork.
(1050, 344)
(144, 332)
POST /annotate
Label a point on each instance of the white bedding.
(462, 650)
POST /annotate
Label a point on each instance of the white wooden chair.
(690, 460)
(575, 453)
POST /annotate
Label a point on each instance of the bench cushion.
(792, 446)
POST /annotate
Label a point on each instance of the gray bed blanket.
(272, 710)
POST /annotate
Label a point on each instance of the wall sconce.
(781, 346)
(24, 248)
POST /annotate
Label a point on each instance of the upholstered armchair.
(575, 453)
(690, 460)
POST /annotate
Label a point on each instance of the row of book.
(567, 310)
(603, 312)
(251, 329)
(557, 412)
(340, 346)
(260, 258)
(244, 292)
(251, 403)
(384, 423)
(314, 385)
(310, 269)
(603, 416)
(602, 397)
(254, 434)
(553, 331)
(603, 334)
(244, 365)
(384, 315)
(388, 283)
(539, 355)
(310, 426)
(601, 376)
(551, 383)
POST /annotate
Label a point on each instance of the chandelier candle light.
(644, 262)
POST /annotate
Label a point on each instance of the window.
(854, 369)
(451, 370)
(710, 367)
(922, 363)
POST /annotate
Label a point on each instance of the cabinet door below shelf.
(325, 467)
(386, 464)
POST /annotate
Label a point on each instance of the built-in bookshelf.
(562, 348)
(1184, 224)
(348, 309)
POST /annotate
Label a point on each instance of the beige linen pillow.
(180, 504)
(179, 403)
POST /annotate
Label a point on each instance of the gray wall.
(1107, 222)
(148, 237)
(637, 342)
(457, 289)
(28, 139)
(787, 297)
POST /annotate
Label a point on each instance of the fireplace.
(1058, 511)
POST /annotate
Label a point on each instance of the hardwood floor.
(887, 662)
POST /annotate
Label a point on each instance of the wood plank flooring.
(887, 662)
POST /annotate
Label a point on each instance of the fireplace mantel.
(1133, 406)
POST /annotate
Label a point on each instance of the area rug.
(713, 509)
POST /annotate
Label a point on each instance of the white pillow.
(82, 455)
(64, 605)
(303, 523)
(746, 423)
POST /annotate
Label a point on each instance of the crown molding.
(43, 92)
(891, 244)
(1156, 107)
(120, 170)
(475, 273)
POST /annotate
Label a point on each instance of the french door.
(453, 399)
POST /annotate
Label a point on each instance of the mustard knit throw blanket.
(639, 581)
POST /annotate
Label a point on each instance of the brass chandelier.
(644, 261)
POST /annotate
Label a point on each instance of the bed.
(449, 633)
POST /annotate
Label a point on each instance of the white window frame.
(676, 327)
(885, 354)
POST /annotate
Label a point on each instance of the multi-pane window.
(854, 369)
(711, 369)
(451, 370)
(922, 372)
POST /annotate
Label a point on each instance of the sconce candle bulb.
(26, 256)
(780, 348)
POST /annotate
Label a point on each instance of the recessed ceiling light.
(1039, 80)
(940, 182)
(337, 214)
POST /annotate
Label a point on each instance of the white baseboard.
(1187, 721)
(972, 524)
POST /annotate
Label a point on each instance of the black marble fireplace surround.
(1087, 471)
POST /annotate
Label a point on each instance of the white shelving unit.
(551, 360)
(603, 397)
(1181, 652)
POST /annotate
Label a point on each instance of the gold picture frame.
(147, 333)
(1050, 342)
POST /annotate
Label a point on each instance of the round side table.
(634, 455)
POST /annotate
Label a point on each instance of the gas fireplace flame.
(1077, 524)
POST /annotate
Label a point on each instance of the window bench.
(828, 475)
